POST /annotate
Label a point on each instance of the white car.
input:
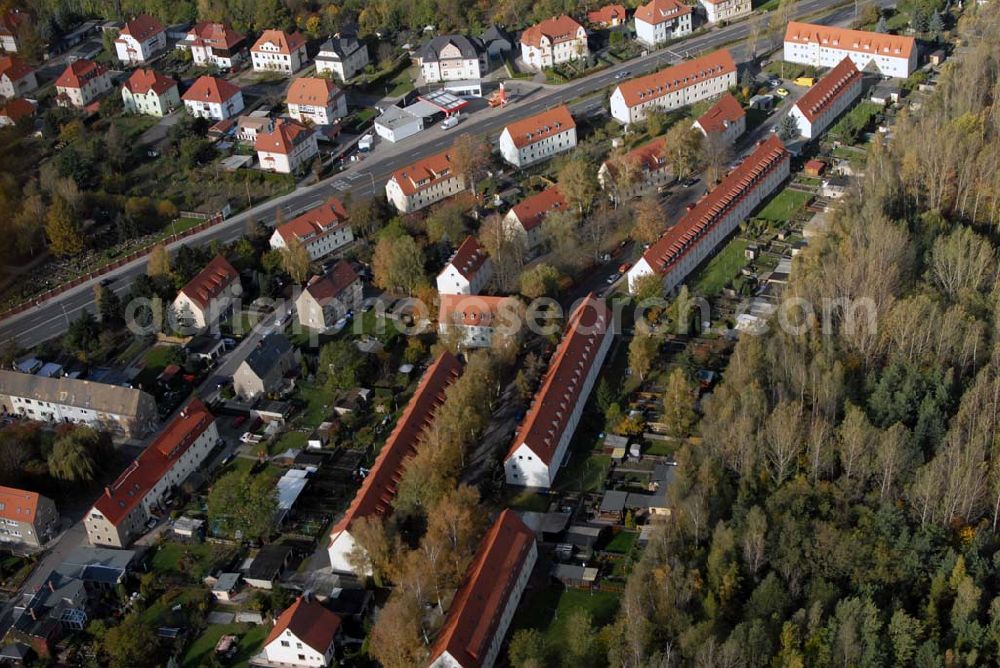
(449, 122)
(250, 437)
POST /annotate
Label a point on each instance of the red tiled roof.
(17, 109)
(283, 138)
(14, 68)
(333, 283)
(11, 21)
(215, 35)
(423, 173)
(210, 281)
(134, 483)
(376, 493)
(608, 14)
(78, 73)
(649, 156)
(326, 218)
(561, 389)
(559, 29)
(474, 614)
(860, 41)
(690, 229)
(142, 27)
(311, 623)
(313, 91)
(210, 89)
(658, 11)
(827, 90)
(143, 81)
(726, 111)
(676, 77)
(532, 211)
(469, 310)
(469, 258)
(18, 505)
(540, 126)
(286, 43)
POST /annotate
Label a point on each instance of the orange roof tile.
(210, 281)
(283, 137)
(311, 623)
(78, 73)
(648, 156)
(676, 77)
(830, 88)
(17, 109)
(608, 14)
(558, 29)
(659, 11)
(215, 35)
(475, 612)
(469, 257)
(532, 211)
(143, 81)
(210, 89)
(313, 91)
(726, 111)
(543, 426)
(324, 219)
(287, 43)
(859, 41)
(142, 27)
(14, 68)
(18, 505)
(333, 283)
(540, 126)
(423, 173)
(469, 310)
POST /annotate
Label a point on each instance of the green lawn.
(318, 403)
(785, 205)
(158, 357)
(162, 613)
(549, 610)
(196, 559)
(251, 639)
(622, 543)
(528, 501)
(722, 268)
(290, 440)
(402, 83)
(659, 448)
(177, 227)
(585, 473)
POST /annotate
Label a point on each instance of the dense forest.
(843, 506)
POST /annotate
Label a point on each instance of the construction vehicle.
(499, 98)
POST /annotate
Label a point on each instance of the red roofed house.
(473, 319)
(10, 25)
(209, 295)
(16, 77)
(553, 41)
(538, 137)
(82, 82)
(215, 44)
(315, 100)
(717, 11)
(423, 183)
(26, 518)
(725, 118)
(140, 39)
(15, 110)
(608, 16)
(482, 609)
(525, 219)
(660, 21)
(467, 272)
(120, 514)
(825, 46)
(714, 217)
(325, 299)
(214, 98)
(832, 95)
(277, 51)
(151, 93)
(542, 440)
(675, 86)
(638, 171)
(374, 497)
(287, 147)
(303, 635)
(322, 230)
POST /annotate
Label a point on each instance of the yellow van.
(805, 81)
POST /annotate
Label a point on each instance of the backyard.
(783, 207)
(721, 269)
(549, 610)
(251, 639)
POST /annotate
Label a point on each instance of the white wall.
(677, 98)
(823, 56)
(288, 649)
(653, 34)
(537, 151)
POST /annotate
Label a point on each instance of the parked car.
(782, 92)
(624, 266)
(613, 277)
(449, 122)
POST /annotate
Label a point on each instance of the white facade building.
(322, 230)
(150, 93)
(725, 118)
(142, 38)
(826, 46)
(538, 137)
(423, 183)
(208, 296)
(16, 77)
(832, 95)
(467, 271)
(215, 44)
(277, 51)
(213, 98)
(553, 41)
(315, 100)
(717, 11)
(287, 148)
(453, 58)
(303, 636)
(661, 21)
(82, 82)
(343, 55)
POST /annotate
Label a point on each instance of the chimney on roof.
(107, 490)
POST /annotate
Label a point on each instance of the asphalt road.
(51, 318)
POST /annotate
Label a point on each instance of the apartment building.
(453, 58)
(15, 110)
(150, 93)
(673, 87)
(540, 445)
(213, 98)
(538, 137)
(278, 51)
(832, 95)
(82, 82)
(215, 45)
(208, 296)
(423, 183)
(660, 21)
(17, 78)
(525, 218)
(326, 299)
(639, 171)
(140, 39)
(26, 518)
(323, 230)
(343, 55)
(719, 11)
(714, 217)
(553, 41)
(472, 320)
(315, 100)
(287, 148)
(467, 271)
(726, 118)
(267, 368)
(826, 46)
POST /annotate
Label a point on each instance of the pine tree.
(936, 25)
(788, 128)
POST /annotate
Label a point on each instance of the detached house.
(209, 295)
(608, 16)
(553, 41)
(725, 118)
(825, 46)
(15, 110)
(674, 87)
(497, 42)
(264, 370)
(423, 183)
(374, 497)
(82, 82)
(637, 172)
(26, 518)
(473, 319)
(525, 218)
(325, 299)
(17, 79)
(467, 271)
(322, 230)
(215, 44)
(660, 21)
(303, 635)
(315, 100)
(287, 147)
(151, 93)
(343, 55)
(717, 11)
(832, 95)
(483, 607)
(120, 513)
(542, 440)
(214, 98)
(277, 51)
(538, 137)
(142, 38)
(452, 58)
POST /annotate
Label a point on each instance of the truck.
(805, 81)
